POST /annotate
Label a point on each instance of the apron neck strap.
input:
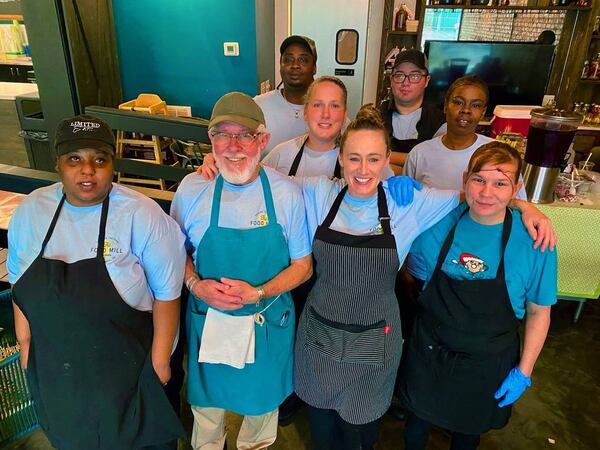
(216, 202)
(101, 230)
(384, 217)
(53, 223)
(337, 171)
(506, 227)
(297, 159)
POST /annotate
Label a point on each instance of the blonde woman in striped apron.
(349, 339)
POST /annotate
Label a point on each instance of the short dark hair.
(469, 80)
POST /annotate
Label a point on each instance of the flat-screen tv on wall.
(517, 73)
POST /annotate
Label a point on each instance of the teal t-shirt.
(475, 254)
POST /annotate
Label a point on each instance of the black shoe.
(397, 410)
(289, 408)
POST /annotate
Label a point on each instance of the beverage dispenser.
(551, 132)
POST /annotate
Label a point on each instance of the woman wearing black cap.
(96, 270)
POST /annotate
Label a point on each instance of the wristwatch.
(261, 293)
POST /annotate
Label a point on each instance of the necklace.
(296, 108)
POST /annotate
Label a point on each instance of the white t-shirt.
(404, 126)
(283, 119)
(360, 216)
(143, 247)
(435, 165)
(242, 207)
(312, 164)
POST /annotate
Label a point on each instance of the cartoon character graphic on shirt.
(471, 263)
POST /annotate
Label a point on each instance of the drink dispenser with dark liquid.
(551, 132)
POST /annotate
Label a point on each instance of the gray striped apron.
(349, 336)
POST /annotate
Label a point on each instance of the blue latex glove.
(402, 189)
(512, 387)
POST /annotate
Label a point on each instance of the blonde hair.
(327, 79)
(367, 118)
(495, 152)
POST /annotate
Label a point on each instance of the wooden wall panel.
(93, 50)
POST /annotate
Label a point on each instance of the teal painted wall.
(175, 49)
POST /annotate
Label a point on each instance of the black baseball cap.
(83, 131)
(412, 56)
(304, 41)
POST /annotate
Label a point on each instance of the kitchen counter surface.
(8, 91)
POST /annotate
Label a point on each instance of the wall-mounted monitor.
(517, 73)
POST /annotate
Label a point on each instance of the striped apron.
(349, 336)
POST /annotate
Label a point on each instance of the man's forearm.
(292, 276)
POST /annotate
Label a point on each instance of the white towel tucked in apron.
(227, 339)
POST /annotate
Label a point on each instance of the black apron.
(337, 172)
(349, 337)
(89, 367)
(463, 344)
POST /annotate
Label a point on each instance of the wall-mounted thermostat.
(231, 48)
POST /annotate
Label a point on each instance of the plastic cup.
(589, 166)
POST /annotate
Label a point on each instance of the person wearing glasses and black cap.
(248, 247)
(284, 108)
(407, 117)
(97, 271)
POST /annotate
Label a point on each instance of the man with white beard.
(248, 246)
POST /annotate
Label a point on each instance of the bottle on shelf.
(400, 18)
(594, 71)
(585, 72)
(596, 29)
(394, 16)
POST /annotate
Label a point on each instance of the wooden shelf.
(401, 33)
(513, 8)
(589, 81)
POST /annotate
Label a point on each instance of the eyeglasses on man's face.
(222, 138)
(413, 77)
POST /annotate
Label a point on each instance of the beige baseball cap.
(239, 108)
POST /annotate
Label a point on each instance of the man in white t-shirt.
(284, 108)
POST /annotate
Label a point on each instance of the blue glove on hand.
(512, 387)
(402, 189)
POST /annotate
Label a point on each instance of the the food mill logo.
(112, 249)
(261, 220)
(78, 126)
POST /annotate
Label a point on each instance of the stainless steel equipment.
(551, 132)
